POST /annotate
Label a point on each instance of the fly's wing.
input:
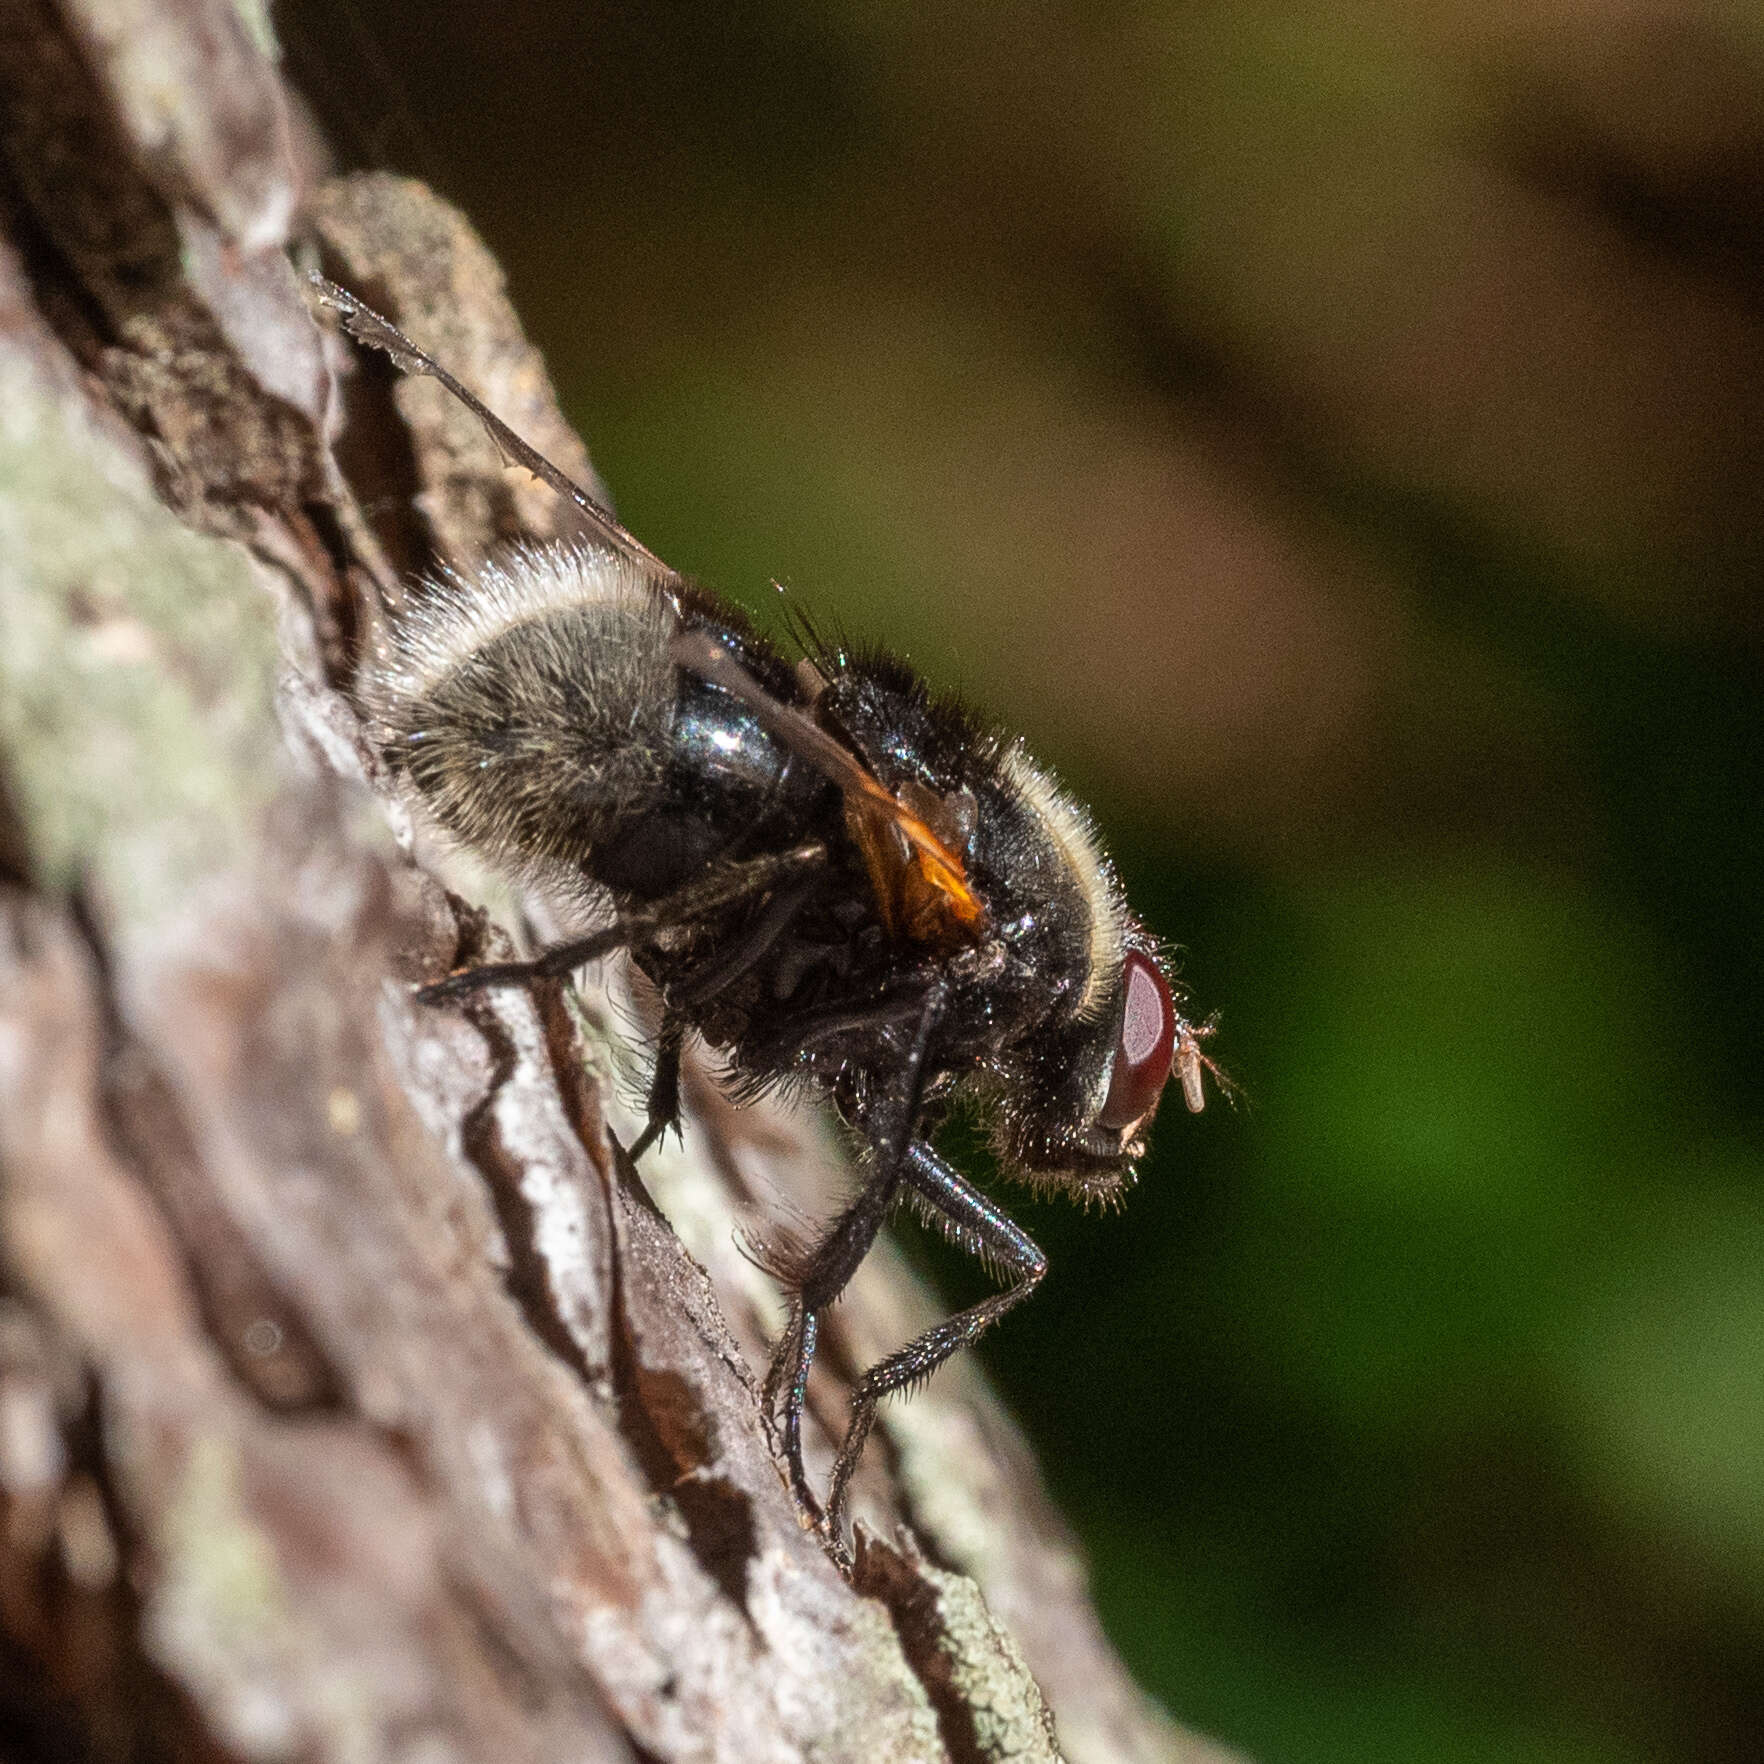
(368, 327)
(921, 883)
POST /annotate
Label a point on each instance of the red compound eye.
(1146, 1047)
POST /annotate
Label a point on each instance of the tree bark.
(357, 1399)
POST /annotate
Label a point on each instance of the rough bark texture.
(357, 1399)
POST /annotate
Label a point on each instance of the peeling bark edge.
(356, 1399)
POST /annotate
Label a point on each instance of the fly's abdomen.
(729, 792)
(532, 712)
(540, 720)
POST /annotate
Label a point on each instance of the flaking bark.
(357, 1399)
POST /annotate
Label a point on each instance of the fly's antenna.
(1191, 1061)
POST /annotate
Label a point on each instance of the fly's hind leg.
(971, 1221)
(664, 1087)
(706, 894)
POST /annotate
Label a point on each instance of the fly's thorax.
(1057, 925)
(1055, 842)
(1051, 893)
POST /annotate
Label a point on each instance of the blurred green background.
(1331, 432)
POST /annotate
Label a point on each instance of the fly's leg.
(707, 894)
(724, 969)
(972, 1222)
(698, 988)
(815, 1279)
(819, 1280)
(663, 1110)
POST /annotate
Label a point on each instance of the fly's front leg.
(974, 1223)
(818, 1280)
(707, 894)
(814, 1280)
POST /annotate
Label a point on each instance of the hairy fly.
(832, 875)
